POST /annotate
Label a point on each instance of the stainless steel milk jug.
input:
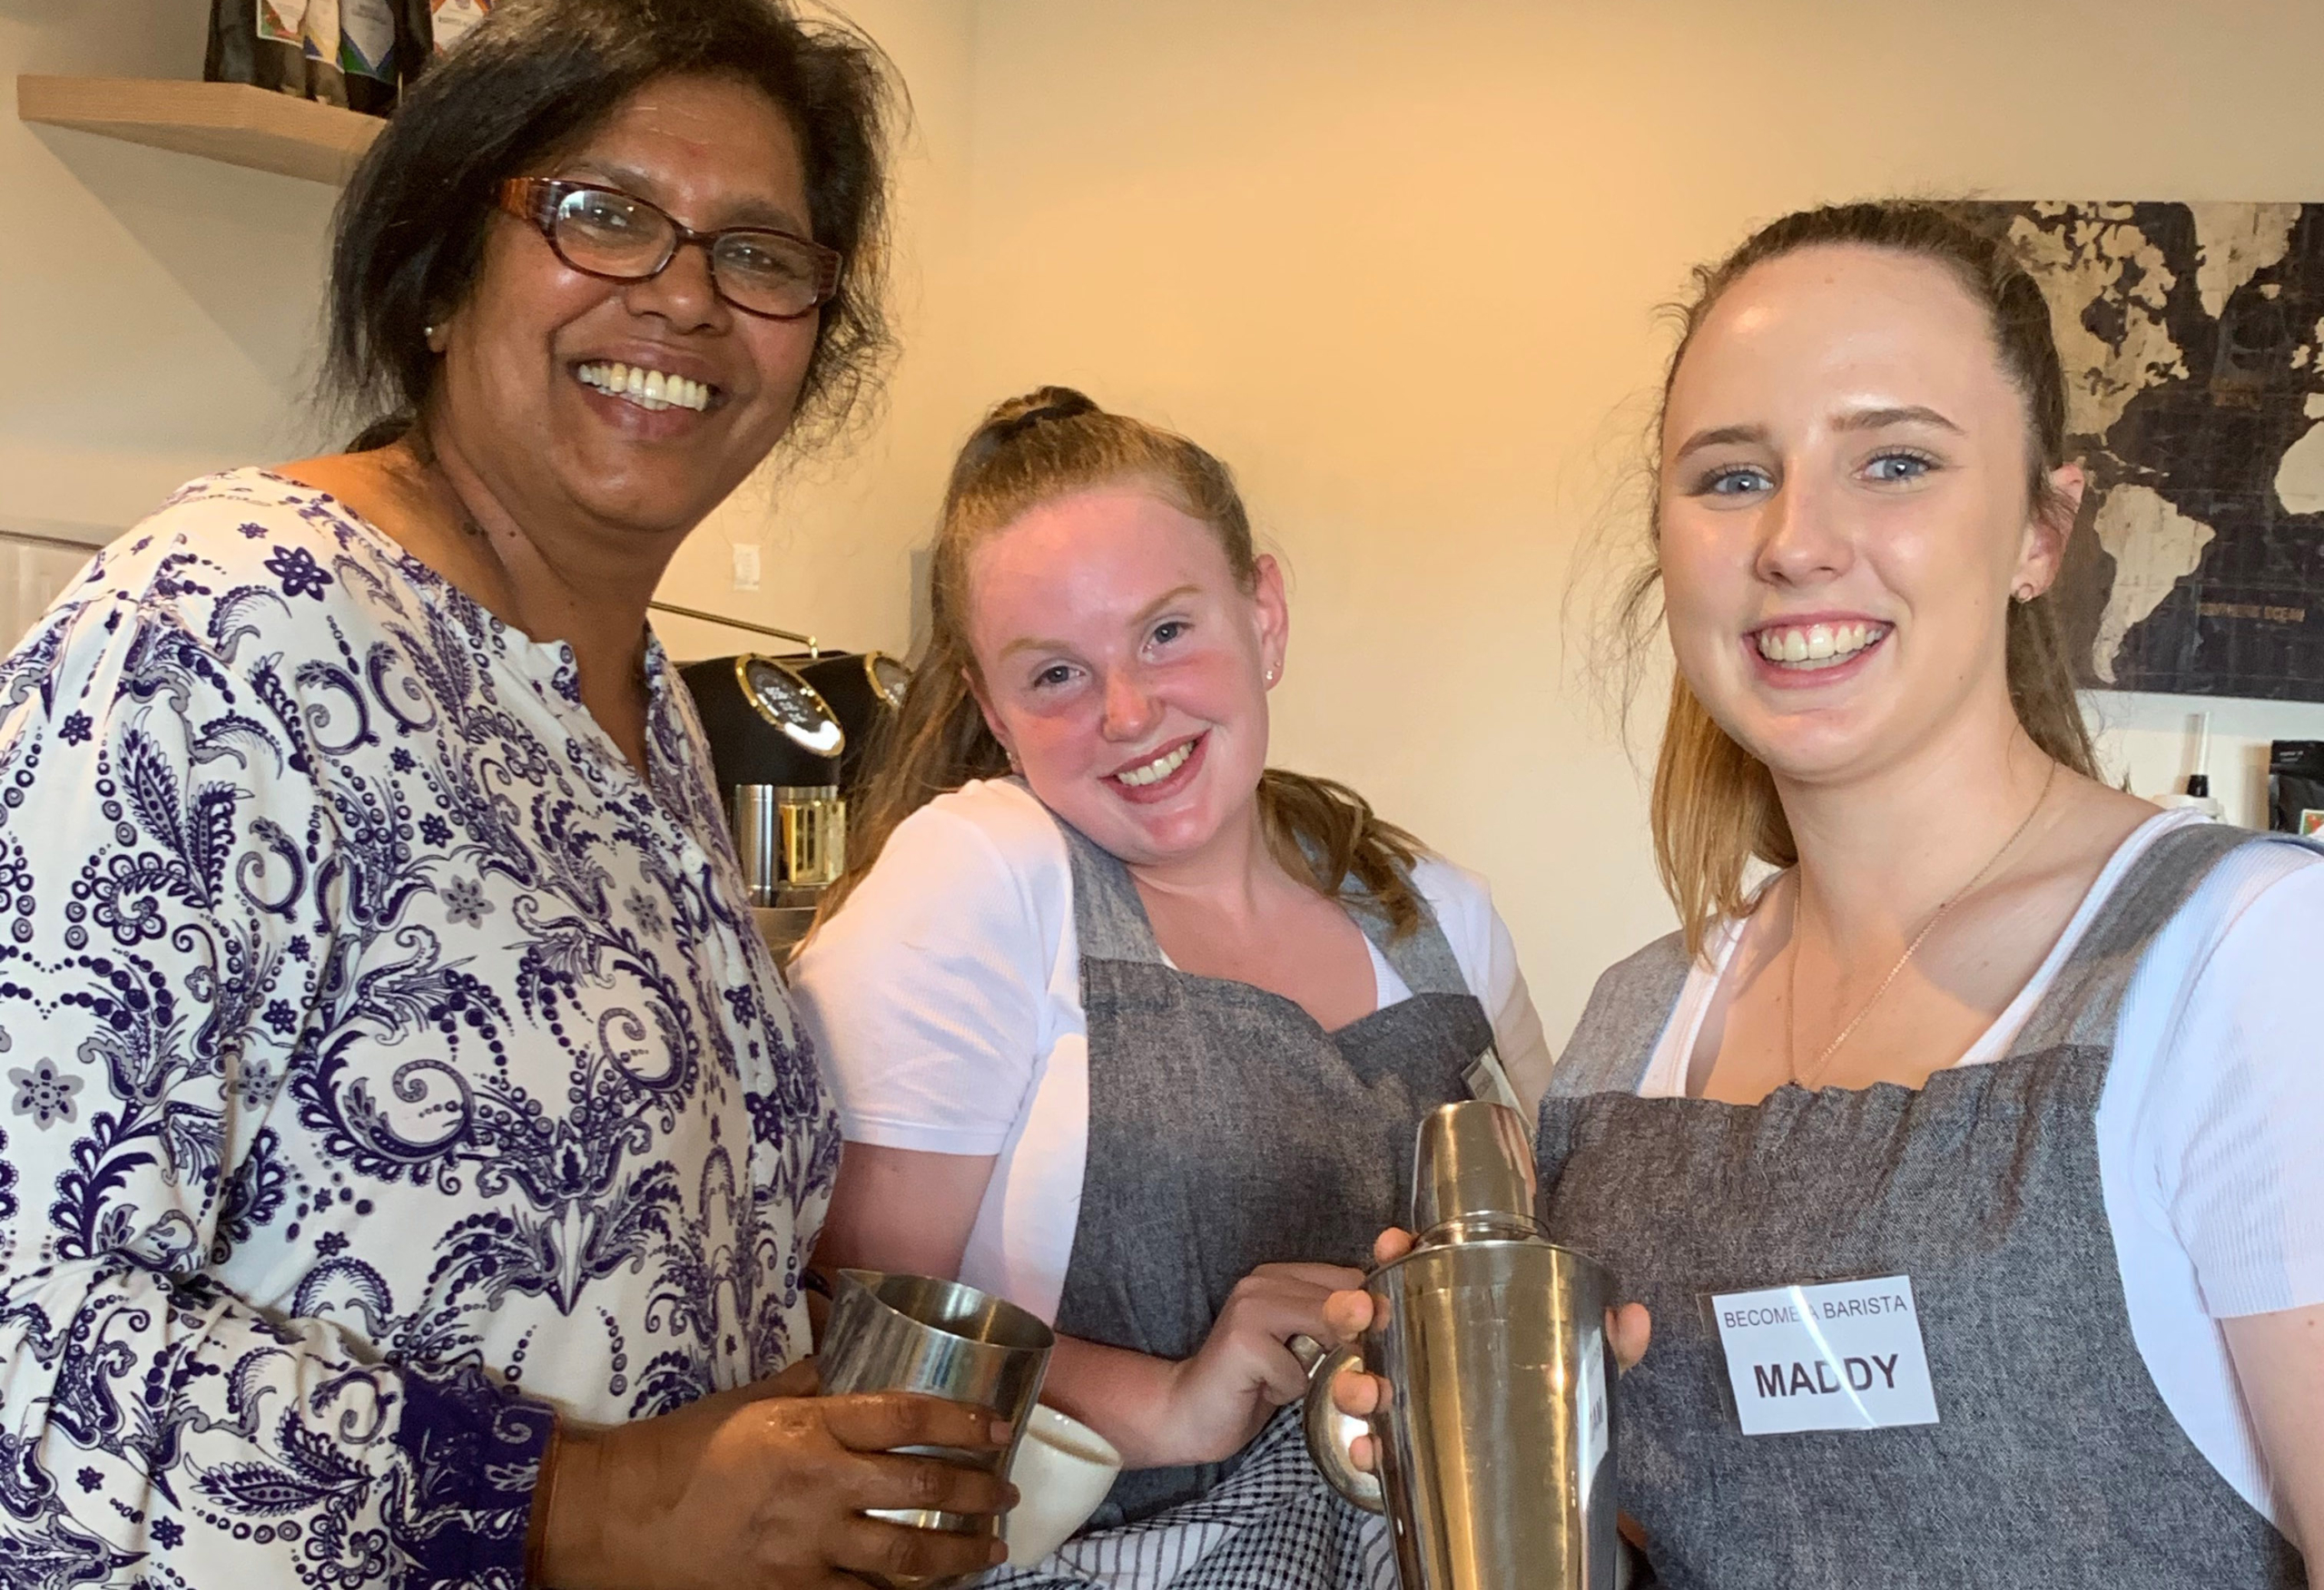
(891, 1332)
(1496, 1444)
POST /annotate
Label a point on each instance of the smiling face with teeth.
(1845, 514)
(613, 416)
(1124, 669)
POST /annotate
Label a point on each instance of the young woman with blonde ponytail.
(1963, 1143)
(1125, 1025)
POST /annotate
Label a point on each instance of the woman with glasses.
(1127, 1025)
(412, 1160)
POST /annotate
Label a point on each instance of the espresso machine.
(788, 736)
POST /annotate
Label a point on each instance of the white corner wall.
(158, 312)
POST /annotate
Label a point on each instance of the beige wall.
(836, 531)
(1399, 262)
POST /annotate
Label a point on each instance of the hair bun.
(1037, 405)
(1012, 417)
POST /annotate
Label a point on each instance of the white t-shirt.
(2211, 1128)
(946, 997)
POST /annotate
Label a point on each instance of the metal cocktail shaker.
(916, 1333)
(1496, 1445)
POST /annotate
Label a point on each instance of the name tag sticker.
(1844, 1355)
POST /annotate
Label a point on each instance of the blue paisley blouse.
(382, 1062)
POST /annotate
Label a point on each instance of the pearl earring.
(1271, 673)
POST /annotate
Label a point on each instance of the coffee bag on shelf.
(2295, 787)
(252, 42)
(368, 53)
(415, 39)
(318, 36)
(352, 52)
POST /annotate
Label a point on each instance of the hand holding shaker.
(914, 1334)
(1495, 1445)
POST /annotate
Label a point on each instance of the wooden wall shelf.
(229, 121)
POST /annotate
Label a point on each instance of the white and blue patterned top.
(381, 1060)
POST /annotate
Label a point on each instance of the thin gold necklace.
(1791, 994)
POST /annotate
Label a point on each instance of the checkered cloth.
(1275, 1524)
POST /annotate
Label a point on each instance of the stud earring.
(2023, 594)
(1272, 672)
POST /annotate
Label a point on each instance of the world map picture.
(2193, 340)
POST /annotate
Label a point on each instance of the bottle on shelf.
(2197, 794)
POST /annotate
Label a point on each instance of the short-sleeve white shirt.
(946, 1002)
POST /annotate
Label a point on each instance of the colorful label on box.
(2312, 822)
(283, 21)
(321, 29)
(367, 39)
(453, 18)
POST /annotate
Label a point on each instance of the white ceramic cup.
(1063, 1470)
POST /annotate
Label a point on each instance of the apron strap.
(1110, 921)
(2080, 1008)
(1423, 957)
(1613, 1044)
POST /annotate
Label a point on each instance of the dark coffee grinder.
(788, 736)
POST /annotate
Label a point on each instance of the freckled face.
(1124, 668)
(1845, 511)
(713, 153)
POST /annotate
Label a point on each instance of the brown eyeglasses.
(604, 233)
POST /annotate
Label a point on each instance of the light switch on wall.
(746, 565)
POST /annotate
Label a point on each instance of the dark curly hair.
(541, 76)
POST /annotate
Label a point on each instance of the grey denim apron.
(1227, 1131)
(2056, 1462)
